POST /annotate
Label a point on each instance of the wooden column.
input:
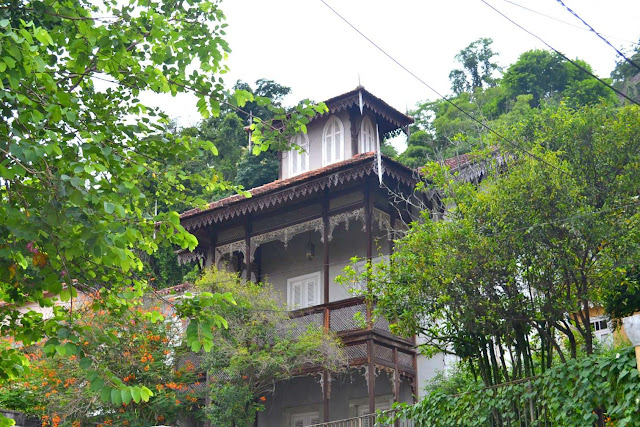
(325, 395)
(355, 118)
(213, 237)
(368, 213)
(396, 380)
(392, 224)
(371, 381)
(247, 241)
(325, 278)
(325, 226)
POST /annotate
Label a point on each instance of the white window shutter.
(312, 291)
(327, 147)
(333, 141)
(296, 298)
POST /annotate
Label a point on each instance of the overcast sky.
(303, 45)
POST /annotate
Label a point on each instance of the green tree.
(626, 77)
(78, 177)
(548, 76)
(506, 282)
(261, 347)
(478, 68)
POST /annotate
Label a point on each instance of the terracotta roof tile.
(284, 183)
(457, 161)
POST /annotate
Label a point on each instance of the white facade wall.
(314, 133)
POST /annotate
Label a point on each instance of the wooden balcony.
(365, 341)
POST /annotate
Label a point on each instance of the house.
(331, 203)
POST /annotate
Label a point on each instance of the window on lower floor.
(303, 291)
(601, 330)
(360, 408)
(305, 419)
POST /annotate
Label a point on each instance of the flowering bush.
(148, 358)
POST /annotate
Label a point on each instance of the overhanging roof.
(392, 119)
(285, 190)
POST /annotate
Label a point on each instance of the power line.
(444, 98)
(578, 66)
(561, 21)
(599, 35)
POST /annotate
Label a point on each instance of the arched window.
(333, 141)
(367, 136)
(299, 161)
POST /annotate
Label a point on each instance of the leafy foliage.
(261, 347)
(478, 67)
(536, 79)
(507, 281)
(626, 77)
(548, 76)
(565, 395)
(78, 178)
(623, 299)
(143, 386)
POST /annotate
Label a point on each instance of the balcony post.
(396, 381)
(371, 380)
(325, 395)
(368, 212)
(247, 241)
(325, 226)
(213, 240)
(325, 278)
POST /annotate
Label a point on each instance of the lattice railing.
(368, 420)
(342, 317)
(338, 316)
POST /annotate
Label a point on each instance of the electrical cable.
(578, 66)
(563, 22)
(599, 35)
(444, 98)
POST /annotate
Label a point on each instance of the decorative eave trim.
(314, 185)
(376, 105)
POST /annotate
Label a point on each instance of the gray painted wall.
(279, 264)
(304, 394)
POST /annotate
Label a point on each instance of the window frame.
(366, 120)
(304, 415)
(294, 154)
(336, 157)
(291, 282)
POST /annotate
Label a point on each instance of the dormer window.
(367, 136)
(299, 160)
(333, 141)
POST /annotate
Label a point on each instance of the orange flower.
(263, 399)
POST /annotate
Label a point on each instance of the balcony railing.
(368, 420)
(354, 330)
